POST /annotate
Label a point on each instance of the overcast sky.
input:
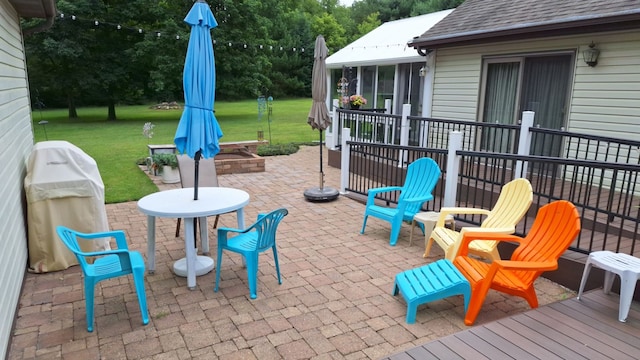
(346, 2)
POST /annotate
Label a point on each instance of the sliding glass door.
(538, 83)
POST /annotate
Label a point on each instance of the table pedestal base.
(204, 265)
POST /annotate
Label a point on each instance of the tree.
(369, 24)
(56, 59)
(333, 32)
(94, 53)
(434, 5)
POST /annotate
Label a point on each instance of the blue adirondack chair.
(108, 264)
(422, 176)
(259, 237)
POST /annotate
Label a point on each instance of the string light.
(158, 34)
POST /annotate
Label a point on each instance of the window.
(538, 83)
(368, 85)
(409, 88)
(386, 76)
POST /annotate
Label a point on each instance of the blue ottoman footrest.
(431, 282)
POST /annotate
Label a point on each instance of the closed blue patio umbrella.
(198, 131)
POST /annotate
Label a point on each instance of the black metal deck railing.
(606, 194)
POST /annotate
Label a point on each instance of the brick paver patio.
(335, 300)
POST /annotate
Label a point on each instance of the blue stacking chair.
(422, 177)
(108, 264)
(259, 237)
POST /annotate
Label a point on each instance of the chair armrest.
(420, 199)
(225, 230)
(371, 193)
(458, 210)
(121, 240)
(103, 253)
(480, 230)
(472, 235)
(527, 265)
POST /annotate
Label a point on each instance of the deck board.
(569, 329)
(478, 342)
(522, 340)
(437, 351)
(541, 340)
(463, 350)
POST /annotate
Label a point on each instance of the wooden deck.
(570, 329)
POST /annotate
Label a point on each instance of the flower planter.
(170, 175)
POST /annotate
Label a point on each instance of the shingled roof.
(482, 21)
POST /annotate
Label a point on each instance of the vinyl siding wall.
(16, 137)
(604, 100)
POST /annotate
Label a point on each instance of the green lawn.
(117, 145)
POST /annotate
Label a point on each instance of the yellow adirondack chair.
(514, 201)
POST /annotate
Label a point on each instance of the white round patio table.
(179, 203)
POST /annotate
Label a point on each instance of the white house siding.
(16, 137)
(604, 100)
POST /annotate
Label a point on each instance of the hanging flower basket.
(355, 101)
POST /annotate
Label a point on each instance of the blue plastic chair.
(257, 238)
(422, 177)
(108, 264)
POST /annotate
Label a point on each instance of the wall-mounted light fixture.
(423, 71)
(590, 55)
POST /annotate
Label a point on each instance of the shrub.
(160, 160)
(278, 149)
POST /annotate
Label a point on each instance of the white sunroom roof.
(386, 44)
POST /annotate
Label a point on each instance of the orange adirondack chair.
(513, 202)
(556, 225)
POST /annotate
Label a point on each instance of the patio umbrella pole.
(321, 172)
(320, 193)
(319, 116)
(196, 169)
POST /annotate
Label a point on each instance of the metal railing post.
(387, 106)
(524, 143)
(387, 124)
(404, 134)
(345, 155)
(331, 135)
(453, 166)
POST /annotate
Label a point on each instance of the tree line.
(108, 52)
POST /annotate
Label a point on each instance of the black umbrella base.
(317, 194)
